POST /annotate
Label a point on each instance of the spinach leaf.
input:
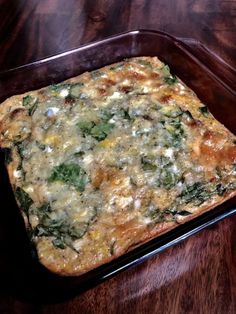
(204, 110)
(125, 114)
(117, 67)
(79, 154)
(23, 198)
(144, 63)
(171, 112)
(175, 129)
(27, 100)
(20, 149)
(40, 145)
(147, 165)
(165, 70)
(30, 103)
(156, 215)
(168, 179)
(75, 90)
(59, 243)
(77, 230)
(106, 115)
(101, 130)
(112, 247)
(187, 114)
(33, 108)
(96, 74)
(196, 193)
(169, 78)
(221, 189)
(45, 208)
(199, 192)
(58, 87)
(183, 213)
(175, 212)
(86, 126)
(20, 146)
(62, 230)
(71, 174)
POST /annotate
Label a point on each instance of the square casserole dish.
(210, 78)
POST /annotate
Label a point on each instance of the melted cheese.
(111, 158)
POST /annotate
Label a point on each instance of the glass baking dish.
(203, 71)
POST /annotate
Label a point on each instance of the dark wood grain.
(198, 275)
(31, 30)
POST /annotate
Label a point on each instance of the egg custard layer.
(107, 160)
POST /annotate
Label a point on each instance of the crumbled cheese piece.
(64, 92)
(115, 95)
(52, 111)
(17, 173)
(137, 203)
(169, 152)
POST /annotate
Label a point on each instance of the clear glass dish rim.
(148, 249)
(183, 41)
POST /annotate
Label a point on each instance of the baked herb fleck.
(71, 174)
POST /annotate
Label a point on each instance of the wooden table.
(198, 275)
